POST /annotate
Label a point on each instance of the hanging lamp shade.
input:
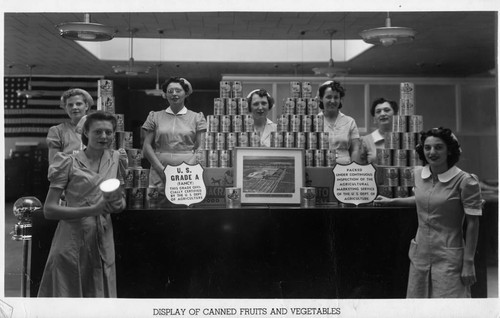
(388, 35)
(330, 70)
(29, 93)
(86, 31)
(131, 69)
(157, 91)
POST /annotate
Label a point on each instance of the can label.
(391, 176)
(318, 123)
(233, 197)
(407, 107)
(312, 140)
(237, 123)
(330, 157)
(237, 89)
(392, 140)
(225, 89)
(218, 106)
(289, 106)
(401, 192)
(248, 123)
(307, 197)
(384, 156)
(141, 178)
(400, 157)
(283, 123)
(152, 198)
(129, 178)
(300, 140)
(208, 141)
(135, 198)
(300, 106)
(231, 107)
(220, 141)
(306, 90)
(134, 158)
(294, 123)
(242, 139)
(128, 138)
(408, 141)
(213, 159)
(225, 123)
(399, 124)
(406, 177)
(289, 140)
(242, 105)
(213, 123)
(276, 139)
(231, 140)
(415, 123)
(120, 122)
(386, 191)
(295, 89)
(309, 158)
(319, 158)
(312, 107)
(407, 90)
(306, 123)
(225, 158)
(413, 158)
(254, 139)
(104, 87)
(324, 140)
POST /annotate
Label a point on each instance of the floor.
(14, 258)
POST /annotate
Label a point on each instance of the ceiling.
(447, 44)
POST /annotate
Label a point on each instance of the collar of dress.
(442, 177)
(82, 157)
(181, 112)
(377, 136)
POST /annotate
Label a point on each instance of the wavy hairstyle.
(381, 100)
(261, 93)
(76, 92)
(335, 86)
(447, 137)
(97, 116)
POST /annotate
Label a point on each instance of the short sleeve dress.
(65, 138)
(341, 135)
(437, 251)
(175, 137)
(81, 261)
(265, 137)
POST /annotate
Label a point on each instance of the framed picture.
(269, 175)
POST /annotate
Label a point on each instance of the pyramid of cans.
(397, 160)
(230, 126)
(139, 194)
(300, 126)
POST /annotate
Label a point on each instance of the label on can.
(386, 191)
(129, 178)
(248, 123)
(306, 90)
(400, 157)
(289, 106)
(135, 198)
(307, 197)
(300, 106)
(318, 123)
(242, 105)
(319, 158)
(392, 140)
(242, 139)
(237, 123)
(220, 141)
(232, 107)
(213, 159)
(283, 123)
(406, 107)
(152, 198)
(120, 122)
(254, 139)
(312, 106)
(401, 192)
(295, 89)
(309, 158)
(399, 124)
(306, 123)
(330, 157)
(406, 177)
(233, 197)
(134, 158)
(276, 139)
(294, 123)
(408, 140)
(384, 156)
(391, 176)
(141, 178)
(213, 123)
(413, 158)
(415, 123)
(225, 89)
(209, 141)
(300, 140)
(237, 89)
(312, 140)
(231, 140)
(218, 106)
(324, 140)
(407, 90)
(128, 138)
(225, 158)
(289, 139)
(225, 123)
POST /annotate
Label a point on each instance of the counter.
(259, 252)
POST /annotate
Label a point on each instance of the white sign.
(185, 184)
(354, 183)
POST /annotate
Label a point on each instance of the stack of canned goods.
(139, 194)
(397, 160)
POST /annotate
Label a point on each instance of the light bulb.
(388, 41)
(86, 36)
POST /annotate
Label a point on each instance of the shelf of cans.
(138, 193)
(299, 126)
(395, 162)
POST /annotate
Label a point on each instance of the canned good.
(208, 140)
(330, 157)
(307, 197)
(135, 198)
(386, 191)
(231, 107)
(231, 140)
(407, 107)
(128, 140)
(218, 106)
(120, 122)
(392, 140)
(401, 192)
(300, 106)
(237, 123)
(225, 89)
(400, 158)
(276, 139)
(309, 158)
(283, 123)
(406, 177)
(295, 89)
(242, 105)
(225, 123)
(152, 198)
(220, 141)
(306, 123)
(408, 140)
(248, 123)
(242, 139)
(319, 157)
(312, 140)
(225, 158)
(201, 157)
(237, 89)
(306, 90)
(294, 123)
(312, 106)
(407, 90)
(384, 156)
(300, 140)
(213, 159)
(324, 140)
(213, 123)
(399, 124)
(289, 106)
(233, 197)
(413, 158)
(415, 123)
(129, 178)
(141, 178)
(289, 139)
(134, 158)
(254, 139)
(104, 87)
(391, 176)
(318, 123)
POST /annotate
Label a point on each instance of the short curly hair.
(96, 116)
(381, 100)
(335, 86)
(447, 137)
(76, 92)
(261, 93)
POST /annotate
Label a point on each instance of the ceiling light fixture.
(29, 93)
(131, 69)
(330, 71)
(388, 35)
(85, 31)
(157, 91)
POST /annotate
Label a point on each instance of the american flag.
(34, 116)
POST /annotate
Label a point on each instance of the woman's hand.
(468, 273)
(380, 200)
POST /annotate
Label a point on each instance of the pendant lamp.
(330, 71)
(85, 31)
(131, 69)
(29, 93)
(388, 35)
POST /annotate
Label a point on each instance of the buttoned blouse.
(341, 134)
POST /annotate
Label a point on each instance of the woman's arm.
(471, 237)
(198, 142)
(53, 211)
(52, 153)
(149, 153)
(385, 201)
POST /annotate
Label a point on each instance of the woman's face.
(436, 152)
(331, 101)
(100, 134)
(383, 114)
(175, 94)
(259, 107)
(76, 107)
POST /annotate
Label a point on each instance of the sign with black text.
(184, 184)
(354, 183)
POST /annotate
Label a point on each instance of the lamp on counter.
(23, 210)
(86, 31)
(388, 35)
(131, 69)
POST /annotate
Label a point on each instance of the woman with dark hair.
(382, 111)
(81, 261)
(259, 104)
(173, 134)
(342, 129)
(66, 137)
(441, 257)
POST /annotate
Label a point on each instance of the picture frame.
(269, 175)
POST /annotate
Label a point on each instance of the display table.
(258, 252)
